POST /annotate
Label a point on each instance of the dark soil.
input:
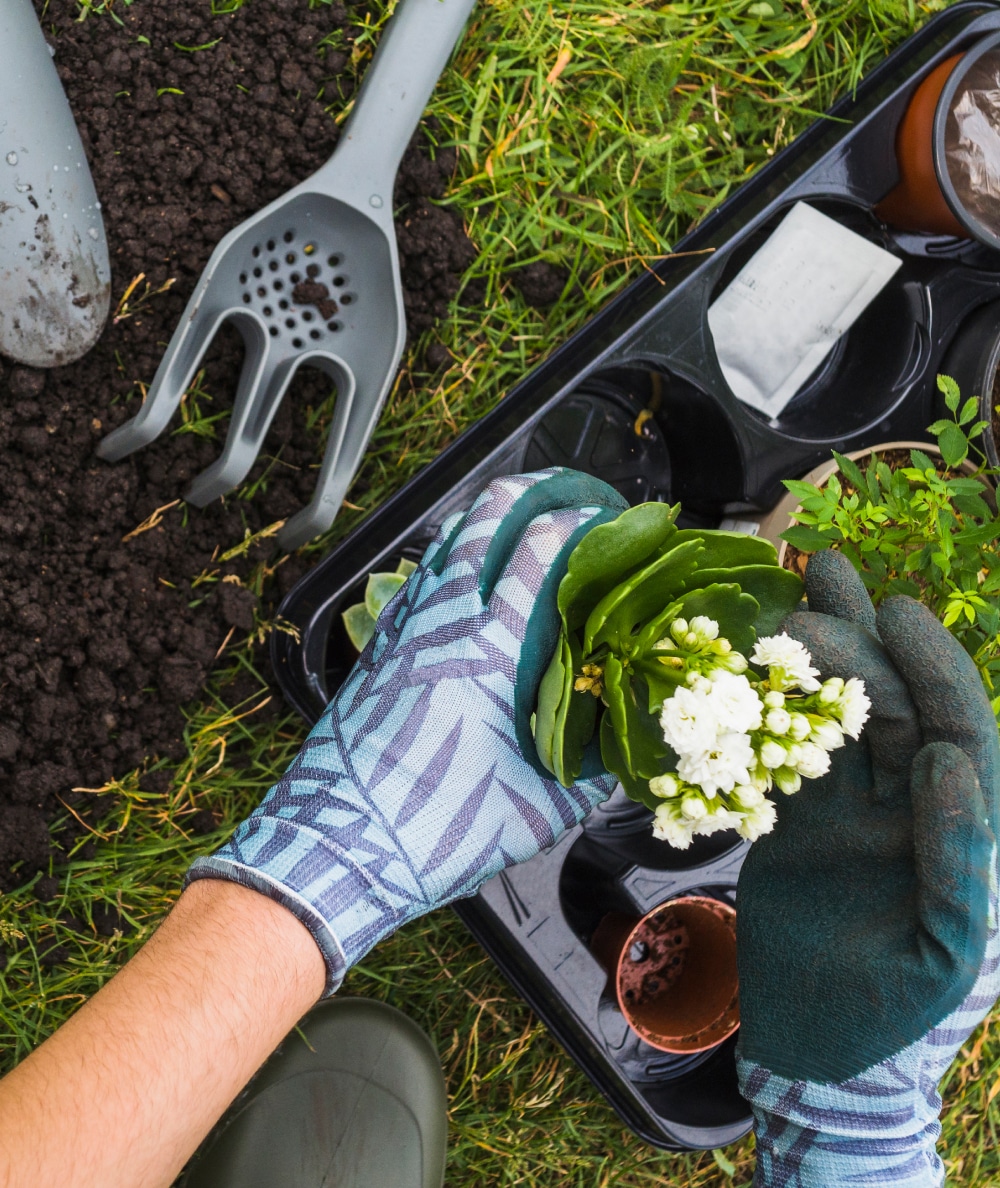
(655, 959)
(103, 633)
(540, 284)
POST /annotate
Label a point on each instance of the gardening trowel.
(55, 280)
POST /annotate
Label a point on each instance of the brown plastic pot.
(929, 196)
(918, 202)
(674, 972)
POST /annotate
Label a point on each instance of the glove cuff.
(345, 909)
(865, 1131)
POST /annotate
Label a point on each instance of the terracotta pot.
(935, 192)
(918, 202)
(674, 972)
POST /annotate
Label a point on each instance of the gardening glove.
(420, 780)
(868, 943)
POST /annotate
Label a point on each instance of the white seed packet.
(781, 316)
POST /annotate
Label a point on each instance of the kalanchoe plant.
(657, 624)
(925, 530)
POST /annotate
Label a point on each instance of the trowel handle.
(413, 51)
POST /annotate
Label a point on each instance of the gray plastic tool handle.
(55, 280)
(412, 52)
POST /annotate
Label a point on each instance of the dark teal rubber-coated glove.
(868, 946)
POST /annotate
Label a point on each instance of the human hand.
(868, 943)
(420, 780)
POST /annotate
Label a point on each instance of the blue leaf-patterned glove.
(420, 780)
(868, 942)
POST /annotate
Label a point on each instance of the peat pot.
(674, 972)
(948, 150)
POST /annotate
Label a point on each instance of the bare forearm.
(162, 1049)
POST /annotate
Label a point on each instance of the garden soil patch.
(106, 633)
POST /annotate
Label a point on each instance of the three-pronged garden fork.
(313, 279)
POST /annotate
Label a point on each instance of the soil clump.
(117, 600)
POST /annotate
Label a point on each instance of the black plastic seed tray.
(650, 352)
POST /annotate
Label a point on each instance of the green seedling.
(359, 620)
(925, 530)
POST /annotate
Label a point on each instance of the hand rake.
(313, 279)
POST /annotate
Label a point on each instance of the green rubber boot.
(361, 1104)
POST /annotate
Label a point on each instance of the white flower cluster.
(737, 737)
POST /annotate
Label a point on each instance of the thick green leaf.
(661, 681)
(777, 592)
(638, 732)
(406, 567)
(726, 550)
(614, 696)
(380, 589)
(550, 694)
(723, 602)
(576, 718)
(643, 594)
(612, 758)
(608, 554)
(359, 624)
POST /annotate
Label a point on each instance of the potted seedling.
(927, 528)
(667, 662)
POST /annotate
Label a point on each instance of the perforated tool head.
(295, 280)
(314, 279)
(298, 289)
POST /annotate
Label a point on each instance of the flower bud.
(812, 761)
(830, 690)
(778, 721)
(774, 699)
(788, 781)
(773, 754)
(665, 786)
(694, 808)
(733, 662)
(704, 627)
(691, 641)
(747, 796)
(827, 734)
(800, 727)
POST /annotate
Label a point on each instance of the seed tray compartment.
(637, 397)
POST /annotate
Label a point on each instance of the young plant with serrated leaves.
(359, 620)
(927, 530)
(651, 679)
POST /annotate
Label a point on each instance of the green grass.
(592, 135)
